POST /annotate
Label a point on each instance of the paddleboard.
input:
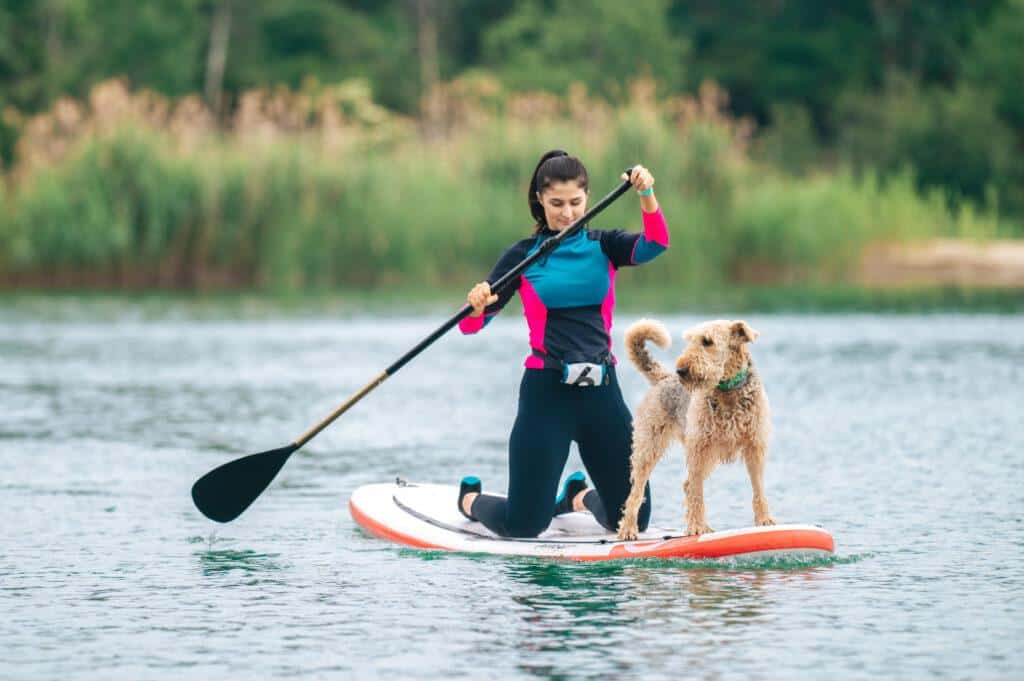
(424, 516)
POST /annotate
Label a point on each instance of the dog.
(714, 403)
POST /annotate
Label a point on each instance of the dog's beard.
(693, 381)
(700, 377)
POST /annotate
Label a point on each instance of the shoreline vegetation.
(441, 303)
(323, 190)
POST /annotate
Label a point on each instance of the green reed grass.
(130, 209)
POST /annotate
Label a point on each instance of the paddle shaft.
(546, 247)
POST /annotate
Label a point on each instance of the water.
(900, 434)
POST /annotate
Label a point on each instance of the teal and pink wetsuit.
(568, 298)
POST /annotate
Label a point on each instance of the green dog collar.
(737, 381)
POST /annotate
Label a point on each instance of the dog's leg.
(699, 464)
(649, 444)
(754, 456)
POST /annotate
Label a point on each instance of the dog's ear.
(742, 332)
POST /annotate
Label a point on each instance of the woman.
(569, 390)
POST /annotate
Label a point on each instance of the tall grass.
(322, 190)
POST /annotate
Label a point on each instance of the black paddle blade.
(226, 491)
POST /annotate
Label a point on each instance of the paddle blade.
(226, 491)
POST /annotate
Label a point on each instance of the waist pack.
(581, 374)
(584, 374)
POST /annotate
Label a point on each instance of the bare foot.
(765, 520)
(467, 503)
(577, 501)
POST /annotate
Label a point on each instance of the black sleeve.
(509, 259)
(618, 245)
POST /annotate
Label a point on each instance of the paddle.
(226, 491)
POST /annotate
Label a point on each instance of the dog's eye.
(707, 342)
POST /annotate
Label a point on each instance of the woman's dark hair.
(554, 166)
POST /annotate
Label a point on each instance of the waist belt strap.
(552, 362)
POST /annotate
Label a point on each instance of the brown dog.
(714, 403)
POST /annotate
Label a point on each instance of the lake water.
(902, 435)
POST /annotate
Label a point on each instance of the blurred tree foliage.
(934, 86)
(549, 45)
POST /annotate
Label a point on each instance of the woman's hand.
(479, 297)
(642, 181)
(640, 178)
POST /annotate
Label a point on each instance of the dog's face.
(709, 347)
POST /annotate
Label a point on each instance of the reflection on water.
(215, 558)
(596, 612)
(228, 560)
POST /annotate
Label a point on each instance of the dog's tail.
(636, 346)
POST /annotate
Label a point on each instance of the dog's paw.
(628, 531)
(698, 529)
(766, 520)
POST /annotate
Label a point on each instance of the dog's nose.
(683, 372)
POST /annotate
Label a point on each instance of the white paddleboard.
(425, 516)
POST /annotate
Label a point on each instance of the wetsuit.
(568, 298)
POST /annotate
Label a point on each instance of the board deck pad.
(425, 516)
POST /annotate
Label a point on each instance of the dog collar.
(737, 381)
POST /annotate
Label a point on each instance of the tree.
(996, 62)
(285, 43)
(602, 43)
(217, 54)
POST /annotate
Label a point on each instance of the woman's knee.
(526, 531)
(527, 526)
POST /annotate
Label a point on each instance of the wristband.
(646, 192)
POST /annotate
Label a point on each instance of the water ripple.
(900, 434)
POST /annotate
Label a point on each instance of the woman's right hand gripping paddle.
(479, 297)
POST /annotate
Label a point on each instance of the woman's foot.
(575, 485)
(469, 489)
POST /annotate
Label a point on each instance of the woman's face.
(564, 203)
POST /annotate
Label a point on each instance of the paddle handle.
(342, 408)
(545, 248)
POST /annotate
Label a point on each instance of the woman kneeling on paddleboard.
(569, 390)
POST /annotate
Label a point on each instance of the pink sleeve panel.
(469, 324)
(655, 229)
